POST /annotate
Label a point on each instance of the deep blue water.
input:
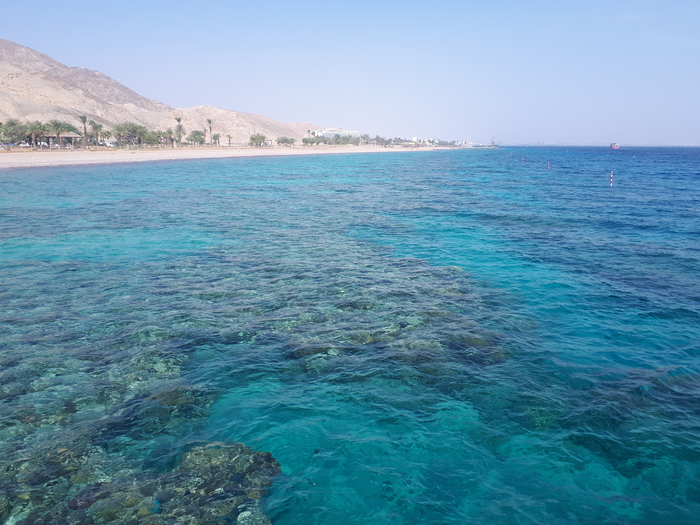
(431, 337)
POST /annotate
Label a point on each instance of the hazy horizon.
(621, 71)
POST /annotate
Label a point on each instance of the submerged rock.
(213, 483)
(252, 515)
(158, 413)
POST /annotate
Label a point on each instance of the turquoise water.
(432, 337)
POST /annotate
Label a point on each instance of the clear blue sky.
(568, 72)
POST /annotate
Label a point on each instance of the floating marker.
(611, 175)
(523, 159)
(548, 166)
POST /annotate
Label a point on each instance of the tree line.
(259, 140)
(13, 131)
(37, 134)
(333, 141)
(397, 141)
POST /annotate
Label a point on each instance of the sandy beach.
(78, 157)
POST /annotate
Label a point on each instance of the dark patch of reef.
(98, 412)
(212, 483)
(100, 471)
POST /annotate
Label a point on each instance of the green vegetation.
(36, 129)
(119, 132)
(127, 134)
(130, 133)
(95, 130)
(179, 130)
(153, 138)
(337, 140)
(381, 141)
(257, 140)
(83, 120)
(59, 127)
(196, 137)
(285, 141)
(13, 131)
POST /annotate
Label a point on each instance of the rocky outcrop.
(214, 483)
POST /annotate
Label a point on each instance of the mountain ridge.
(34, 86)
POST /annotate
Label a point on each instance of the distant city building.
(332, 132)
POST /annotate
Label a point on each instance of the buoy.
(548, 166)
(611, 177)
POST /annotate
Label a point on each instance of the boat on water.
(614, 145)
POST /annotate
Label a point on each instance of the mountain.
(34, 86)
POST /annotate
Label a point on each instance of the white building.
(332, 132)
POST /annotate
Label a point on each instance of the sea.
(467, 336)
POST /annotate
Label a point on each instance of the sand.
(38, 159)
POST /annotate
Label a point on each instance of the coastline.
(79, 157)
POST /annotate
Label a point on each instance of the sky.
(558, 72)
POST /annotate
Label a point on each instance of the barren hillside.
(33, 86)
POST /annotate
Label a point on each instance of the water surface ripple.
(435, 337)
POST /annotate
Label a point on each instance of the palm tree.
(196, 137)
(211, 137)
(14, 131)
(95, 130)
(229, 140)
(43, 134)
(138, 132)
(57, 127)
(83, 119)
(120, 131)
(106, 134)
(169, 136)
(35, 129)
(179, 130)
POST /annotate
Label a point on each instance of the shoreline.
(48, 159)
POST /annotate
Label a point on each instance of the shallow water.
(434, 337)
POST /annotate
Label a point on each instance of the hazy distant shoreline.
(46, 159)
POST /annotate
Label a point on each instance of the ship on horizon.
(614, 145)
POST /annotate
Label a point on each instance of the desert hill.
(34, 86)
